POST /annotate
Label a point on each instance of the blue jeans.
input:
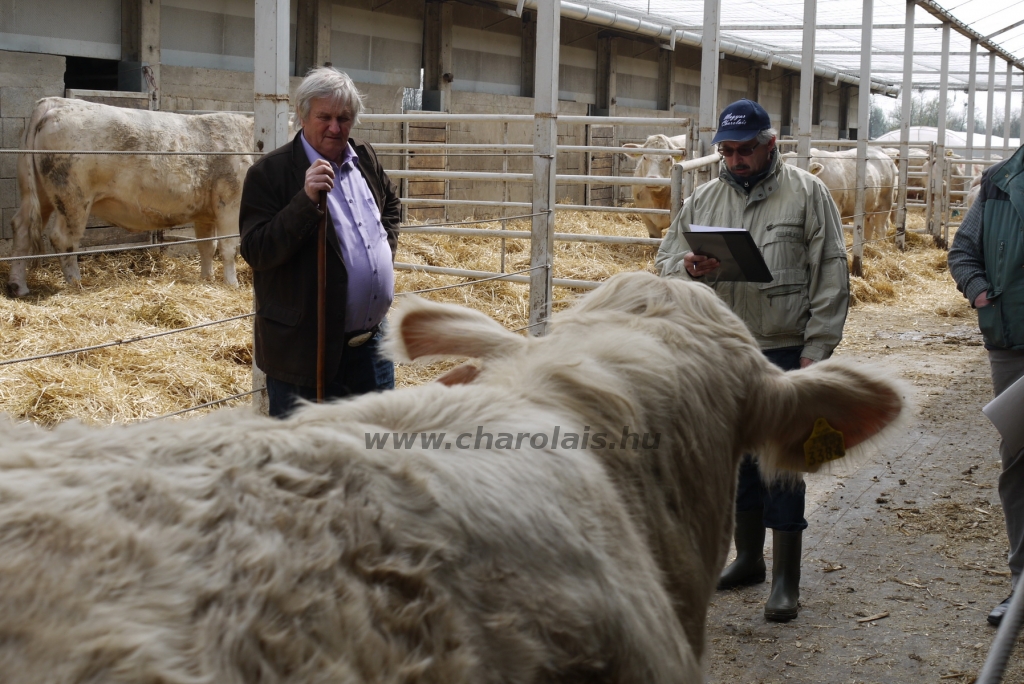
(362, 371)
(782, 502)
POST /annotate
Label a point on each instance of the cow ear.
(460, 375)
(816, 168)
(678, 141)
(857, 401)
(422, 329)
(634, 146)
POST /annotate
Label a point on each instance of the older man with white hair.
(278, 222)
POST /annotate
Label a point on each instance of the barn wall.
(201, 88)
(24, 78)
(486, 52)
(381, 47)
(76, 28)
(210, 35)
(577, 62)
(686, 80)
(636, 80)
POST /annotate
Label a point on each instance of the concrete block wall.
(24, 79)
(198, 88)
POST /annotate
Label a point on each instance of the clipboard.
(1007, 413)
(739, 258)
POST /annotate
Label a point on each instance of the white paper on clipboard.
(1007, 413)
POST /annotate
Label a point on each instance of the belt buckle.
(360, 340)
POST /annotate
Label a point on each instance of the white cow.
(916, 185)
(137, 192)
(536, 523)
(655, 166)
(838, 171)
(973, 192)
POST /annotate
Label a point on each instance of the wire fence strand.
(116, 250)
(466, 284)
(208, 404)
(467, 223)
(130, 340)
(160, 153)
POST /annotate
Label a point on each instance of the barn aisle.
(912, 536)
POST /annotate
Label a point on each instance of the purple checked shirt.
(364, 244)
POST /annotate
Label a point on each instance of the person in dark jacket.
(986, 262)
(278, 223)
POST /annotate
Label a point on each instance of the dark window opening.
(87, 73)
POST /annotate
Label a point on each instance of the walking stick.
(321, 297)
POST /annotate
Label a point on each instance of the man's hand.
(804, 362)
(697, 265)
(319, 177)
(981, 301)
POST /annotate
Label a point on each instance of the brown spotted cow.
(655, 166)
(558, 512)
(137, 191)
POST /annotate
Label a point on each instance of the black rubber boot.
(748, 568)
(784, 601)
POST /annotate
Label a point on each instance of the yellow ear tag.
(825, 444)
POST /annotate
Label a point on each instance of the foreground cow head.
(649, 356)
(682, 342)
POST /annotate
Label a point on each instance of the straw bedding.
(141, 293)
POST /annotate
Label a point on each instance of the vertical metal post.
(991, 104)
(929, 195)
(863, 117)
(270, 76)
(1006, 125)
(708, 81)
(970, 99)
(945, 205)
(447, 160)
(504, 191)
(270, 105)
(939, 177)
(149, 47)
(803, 145)
(675, 202)
(404, 188)
(587, 161)
(545, 138)
(905, 114)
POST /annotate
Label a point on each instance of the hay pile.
(123, 296)
(141, 293)
(918, 275)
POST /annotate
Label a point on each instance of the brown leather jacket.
(278, 224)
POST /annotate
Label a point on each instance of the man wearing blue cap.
(797, 318)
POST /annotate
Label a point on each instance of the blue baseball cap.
(742, 120)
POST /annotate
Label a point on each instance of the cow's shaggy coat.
(237, 548)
